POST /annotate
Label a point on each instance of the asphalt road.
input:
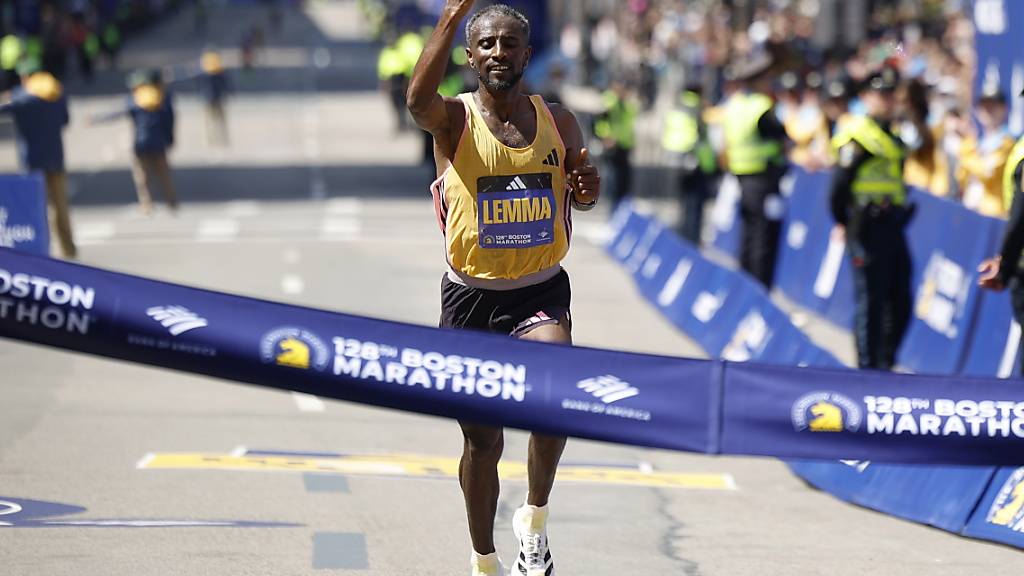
(111, 468)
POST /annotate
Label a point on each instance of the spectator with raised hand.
(40, 112)
(152, 112)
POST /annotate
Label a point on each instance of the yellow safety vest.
(390, 63)
(682, 132)
(504, 210)
(748, 152)
(620, 117)
(1012, 162)
(10, 51)
(410, 45)
(881, 176)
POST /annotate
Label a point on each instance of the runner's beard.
(499, 85)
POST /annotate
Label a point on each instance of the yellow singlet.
(504, 211)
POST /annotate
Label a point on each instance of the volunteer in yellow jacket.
(510, 169)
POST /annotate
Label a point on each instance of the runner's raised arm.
(426, 105)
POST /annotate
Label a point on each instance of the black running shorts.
(513, 312)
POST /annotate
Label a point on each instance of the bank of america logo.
(607, 389)
(552, 159)
(177, 319)
(516, 184)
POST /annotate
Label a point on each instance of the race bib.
(515, 211)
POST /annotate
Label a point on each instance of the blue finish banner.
(23, 224)
(673, 403)
(869, 416)
(479, 377)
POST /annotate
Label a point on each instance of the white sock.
(485, 560)
(536, 517)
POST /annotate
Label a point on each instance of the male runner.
(509, 166)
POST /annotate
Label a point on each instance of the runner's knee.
(483, 441)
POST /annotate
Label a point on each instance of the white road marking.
(308, 402)
(94, 232)
(292, 256)
(145, 460)
(242, 209)
(239, 451)
(219, 230)
(333, 228)
(292, 284)
(345, 207)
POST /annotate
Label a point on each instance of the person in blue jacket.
(40, 111)
(152, 112)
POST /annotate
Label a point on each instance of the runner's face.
(500, 52)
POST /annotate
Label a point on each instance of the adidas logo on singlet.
(552, 159)
(516, 184)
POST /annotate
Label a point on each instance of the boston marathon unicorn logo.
(1008, 507)
(826, 412)
(294, 348)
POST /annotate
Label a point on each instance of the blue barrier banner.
(627, 228)
(947, 242)
(23, 224)
(943, 497)
(1000, 53)
(725, 217)
(870, 416)
(994, 344)
(813, 269)
(1000, 514)
(705, 300)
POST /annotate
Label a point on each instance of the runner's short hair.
(497, 10)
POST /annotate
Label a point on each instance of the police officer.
(869, 204)
(1005, 269)
(615, 128)
(391, 73)
(685, 141)
(40, 111)
(754, 147)
(11, 49)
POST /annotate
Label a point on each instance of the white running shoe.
(486, 565)
(530, 526)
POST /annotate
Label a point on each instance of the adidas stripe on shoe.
(530, 526)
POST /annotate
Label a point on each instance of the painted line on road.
(292, 284)
(145, 460)
(308, 402)
(339, 227)
(345, 207)
(239, 451)
(242, 208)
(92, 232)
(415, 466)
(318, 482)
(292, 256)
(217, 230)
(340, 551)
